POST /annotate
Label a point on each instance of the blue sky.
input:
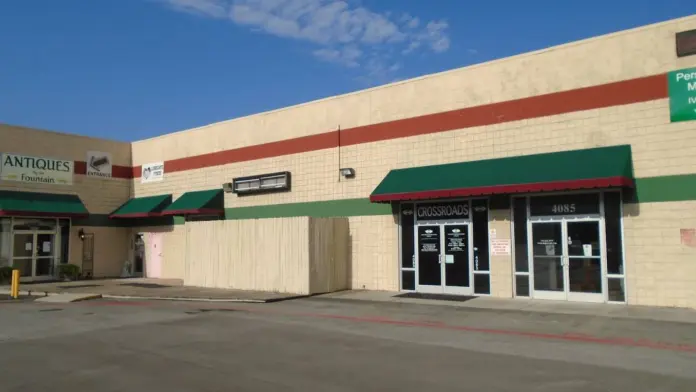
(132, 69)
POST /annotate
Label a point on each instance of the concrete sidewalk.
(145, 288)
(680, 315)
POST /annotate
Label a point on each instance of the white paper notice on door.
(449, 259)
(46, 247)
(587, 250)
(28, 246)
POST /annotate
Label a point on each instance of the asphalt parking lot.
(315, 344)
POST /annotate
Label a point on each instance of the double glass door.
(34, 253)
(567, 260)
(444, 255)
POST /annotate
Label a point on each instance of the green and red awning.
(143, 207)
(603, 167)
(208, 202)
(34, 204)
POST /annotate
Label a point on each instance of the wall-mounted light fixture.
(347, 172)
(81, 234)
(228, 187)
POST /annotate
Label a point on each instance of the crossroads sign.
(682, 95)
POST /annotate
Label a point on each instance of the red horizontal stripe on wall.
(260, 151)
(121, 171)
(117, 171)
(80, 167)
(613, 94)
(595, 97)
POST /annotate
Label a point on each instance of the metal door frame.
(566, 294)
(34, 256)
(442, 288)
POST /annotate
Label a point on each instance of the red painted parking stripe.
(569, 337)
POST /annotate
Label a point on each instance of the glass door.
(547, 260)
(584, 265)
(23, 253)
(444, 259)
(567, 260)
(457, 259)
(429, 259)
(34, 253)
(44, 255)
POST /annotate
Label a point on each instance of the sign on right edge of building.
(682, 94)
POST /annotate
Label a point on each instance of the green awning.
(143, 207)
(209, 202)
(41, 204)
(601, 167)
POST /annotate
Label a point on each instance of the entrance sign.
(443, 211)
(682, 95)
(37, 170)
(152, 172)
(99, 164)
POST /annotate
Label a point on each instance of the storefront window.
(408, 272)
(482, 277)
(615, 259)
(5, 242)
(64, 225)
(519, 212)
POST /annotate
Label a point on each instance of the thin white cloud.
(211, 8)
(348, 56)
(342, 31)
(410, 21)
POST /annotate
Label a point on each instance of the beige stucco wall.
(110, 249)
(629, 54)
(659, 148)
(660, 270)
(374, 252)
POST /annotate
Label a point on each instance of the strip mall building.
(567, 173)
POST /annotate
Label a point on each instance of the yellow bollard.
(15, 284)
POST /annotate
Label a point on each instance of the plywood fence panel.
(329, 258)
(260, 254)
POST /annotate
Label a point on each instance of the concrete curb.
(190, 299)
(29, 293)
(157, 298)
